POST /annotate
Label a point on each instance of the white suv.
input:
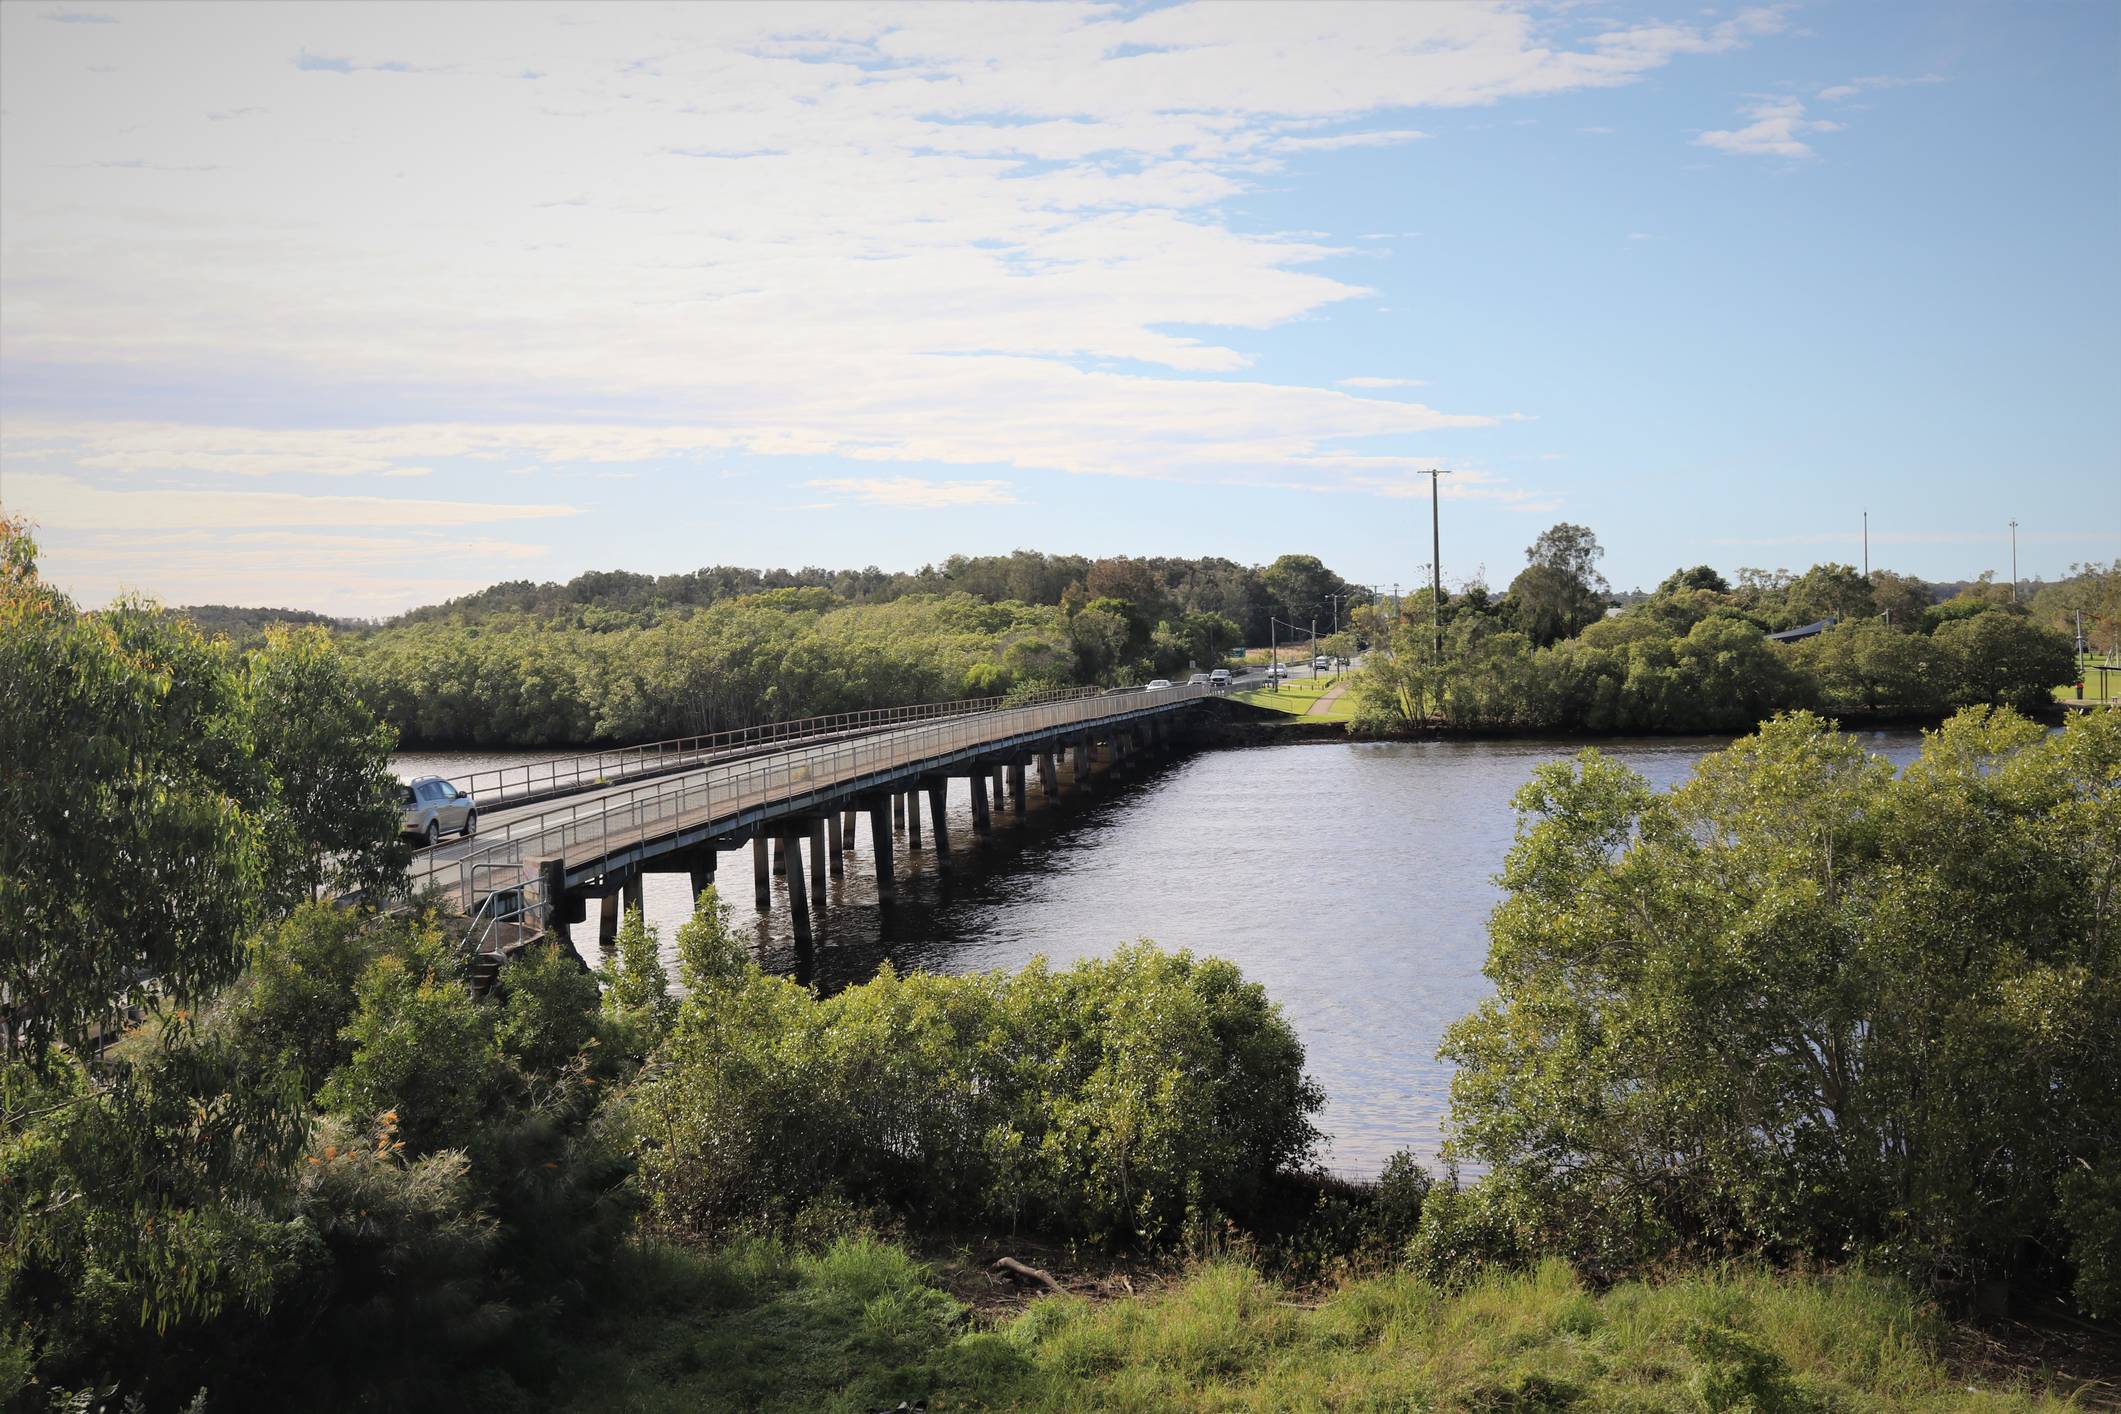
(431, 806)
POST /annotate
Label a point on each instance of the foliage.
(612, 656)
(1560, 592)
(1696, 657)
(1107, 1101)
(137, 812)
(858, 1325)
(344, 1182)
(1803, 1004)
(329, 757)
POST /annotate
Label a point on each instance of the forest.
(614, 657)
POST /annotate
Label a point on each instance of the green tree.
(2004, 658)
(1899, 598)
(1560, 591)
(1808, 1003)
(329, 757)
(137, 814)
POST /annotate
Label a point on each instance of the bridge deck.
(630, 827)
(534, 782)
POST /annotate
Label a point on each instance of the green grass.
(1297, 696)
(863, 1325)
(2087, 669)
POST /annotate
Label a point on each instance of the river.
(1354, 880)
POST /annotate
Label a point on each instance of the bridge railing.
(498, 787)
(612, 823)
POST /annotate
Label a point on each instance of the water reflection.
(1354, 880)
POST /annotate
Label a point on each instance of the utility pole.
(1395, 601)
(2014, 562)
(1435, 563)
(1866, 544)
(1314, 649)
(1273, 658)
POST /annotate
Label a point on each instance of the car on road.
(1197, 680)
(431, 807)
(1276, 670)
(1321, 661)
(1159, 682)
(1219, 678)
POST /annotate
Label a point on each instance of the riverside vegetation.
(1801, 1011)
(613, 657)
(1694, 656)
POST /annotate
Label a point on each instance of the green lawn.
(2089, 670)
(1297, 697)
(863, 1325)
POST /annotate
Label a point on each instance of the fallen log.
(1010, 1267)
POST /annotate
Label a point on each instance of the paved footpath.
(1326, 699)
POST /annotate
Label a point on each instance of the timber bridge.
(535, 871)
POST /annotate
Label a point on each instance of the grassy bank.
(1298, 696)
(864, 1325)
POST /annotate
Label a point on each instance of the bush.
(1106, 1101)
(1807, 1004)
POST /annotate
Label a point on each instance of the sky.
(358, 307)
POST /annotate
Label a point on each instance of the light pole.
(1436, 563)
(2014, 562)
(1866, 544)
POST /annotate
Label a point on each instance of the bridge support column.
(1082, 763)
(780, 856)
(911, 800)
(1016, 788)
(635, 896)
(608, 920)
(817, 860)
(836, 841)
(880, 837)
(848, 818)
(898, 809)
(998, 787)
(982, 822)
(702, 872)
(1048, 775)
(938, 800)
(553, 873)
(798, 896)
(761, 874)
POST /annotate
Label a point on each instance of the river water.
(1354, 880)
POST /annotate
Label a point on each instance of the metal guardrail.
(497, 788)
(508, 854)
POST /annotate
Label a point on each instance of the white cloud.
(1367, 382)
(1341, 140)
(964, 236)
(1777, 130)
(1873, 83)
(915, 493)
(64, 503)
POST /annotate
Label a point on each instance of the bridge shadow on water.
(935, 913)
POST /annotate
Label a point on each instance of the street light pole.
(2014, 562)
(1866, 544)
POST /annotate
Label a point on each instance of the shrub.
(1105, 1101)
(1805, 1003)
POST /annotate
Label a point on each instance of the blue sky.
(352, 308)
